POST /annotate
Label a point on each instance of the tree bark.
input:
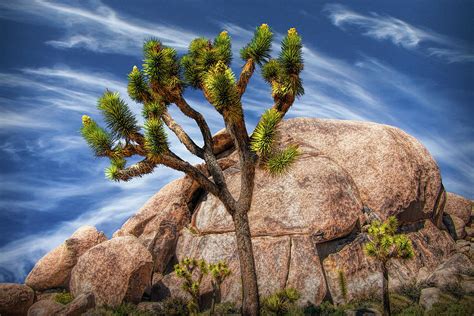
(385, 293)
(250, 303)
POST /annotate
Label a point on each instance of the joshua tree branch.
(182, 136)
(245, 75)
(136, 170)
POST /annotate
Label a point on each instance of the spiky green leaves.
(203, 55)
(259, 47)
(263, 143)
(156, 141)
(161, 65)
(96, 137)
(112, 172)
(291, 55)
(283, 73)
(384, 243)
(120, 120)
(263, 138)
(219, 84)
(154, 109)
(137, 86)
(282, 160)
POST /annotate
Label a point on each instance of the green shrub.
(460, 308)
(413, 310)
(398, 303)
(412, 290)
(282, 302)
(175, 306)
(63, 298)
(222, 309)
(327, 309)
(125, 309)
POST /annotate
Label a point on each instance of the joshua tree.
(384, 243)
(205, 67)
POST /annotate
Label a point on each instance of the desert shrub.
(413, 310)
(125, 309)
(398, 303)
(412, 290)
(459, 308)
(282, 302)
(454, 289)
(175, 306)
(327, 309)
(63, 298)
(222, 309)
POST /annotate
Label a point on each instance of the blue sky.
(403, 63)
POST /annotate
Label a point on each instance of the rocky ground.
(307, 228)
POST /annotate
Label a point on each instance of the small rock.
(469, 231)
(115, 271)
(463, 246)
(15, 299)
(455, 226)
(45, 308)
(429, 296)
(79, 305)
(450, 271)
(459, 206)
(467, 284)
(54, 269)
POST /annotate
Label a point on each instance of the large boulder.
(394, 173)
(114, 271)
(346, 167)
(158, 222)
(317, 197)
(458, 206)
(363, 274)
(15, 299)
(54, 269)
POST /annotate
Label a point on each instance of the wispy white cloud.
(401, 33)
(95, 26)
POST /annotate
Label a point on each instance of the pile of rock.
(307, 227)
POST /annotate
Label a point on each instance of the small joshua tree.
(384, 244)
(192, 272)
(162, 82)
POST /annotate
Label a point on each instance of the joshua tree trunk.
(385, 293)
(250, 303)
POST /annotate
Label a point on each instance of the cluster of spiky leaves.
(281, 160)
(283, 73)
(192, 271)
(265, 134)
(384, 243)
(161, 66)
(118, 117)
(280, 303)
(156, 141)
(219, 83)
(263, 142)
(203, 55)
(96, 137)
(259, 47)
